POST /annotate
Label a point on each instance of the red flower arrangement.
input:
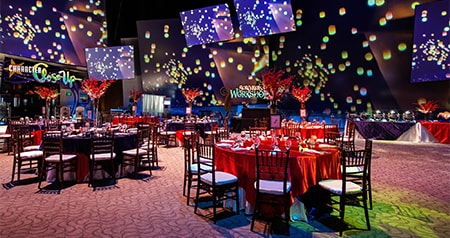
(135, 95)
(275, 85)
(426, 107)
(302, 93)
(45, 92)
(95, 88)
(190, 94)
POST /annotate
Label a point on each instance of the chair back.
(205, 159)
(355, 164)
(64, 112)
(331, 133)
(101, 145)
(52, 143)
(257, 131)
(189, 126)
(79, 113)
(291, 130)
(221, 133)
(189, 147)
(53, 125)
(272, 165)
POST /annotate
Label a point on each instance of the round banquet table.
(305, 168)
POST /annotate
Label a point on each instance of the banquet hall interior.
(244, 76)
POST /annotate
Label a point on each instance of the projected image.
(207, 25)
(56, 31)
(430, 59)
(111, 63)
(268, 17)
(168, 65)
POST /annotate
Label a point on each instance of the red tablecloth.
(440, 130)
(306, 169)
(307, 132)
(131, 121)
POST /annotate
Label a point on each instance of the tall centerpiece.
(426, 107)
(135, 96)
(189, 95)
(95, 89)
(276, 86)
(302, 94)
(46, 93)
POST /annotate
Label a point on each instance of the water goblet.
(288, 144)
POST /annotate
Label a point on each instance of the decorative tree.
(46, 93)
(275, 86)
(95, 89)
(302, 94)
(426, 107)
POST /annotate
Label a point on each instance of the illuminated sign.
(42, 73)
(248, 91)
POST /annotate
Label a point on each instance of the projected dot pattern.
(260, 18)
(207, 25)
(111, 63)
(347, 71)
(56, 31)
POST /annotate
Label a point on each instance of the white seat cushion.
(335, 186)
(31, 154)
(273, 187)
(103, 156)
(55, 158)
(32, 147)
(132, 152)
(221, 178)
(194, 168)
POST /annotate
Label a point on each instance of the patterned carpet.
(411, 193)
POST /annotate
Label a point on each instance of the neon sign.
(63, 76)
(248, 91)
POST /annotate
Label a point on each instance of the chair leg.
(13, 170)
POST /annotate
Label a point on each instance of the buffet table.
(439, 130)
(382, 130)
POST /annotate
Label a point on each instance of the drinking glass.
(256, 141)
(288, 144)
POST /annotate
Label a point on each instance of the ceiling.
(123, 14)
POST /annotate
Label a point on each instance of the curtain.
(152, 104)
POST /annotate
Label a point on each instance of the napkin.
(241, 148)
(312, 151)
(324, 146)
(227, 141)
(224, 145)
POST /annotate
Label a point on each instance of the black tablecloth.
(379, 130)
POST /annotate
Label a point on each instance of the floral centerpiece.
(190, 94)
(426, 107)
(46, 93)
(302, 93)
(275, 86)
(95, 89)
(135, 95)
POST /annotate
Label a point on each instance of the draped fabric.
(152, 104)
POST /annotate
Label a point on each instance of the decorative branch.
(95, 88)
(275, 86)
(302, 93)
(190, 94)
(45, 93)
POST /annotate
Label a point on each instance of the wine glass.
(288, 144)
(256, 141)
